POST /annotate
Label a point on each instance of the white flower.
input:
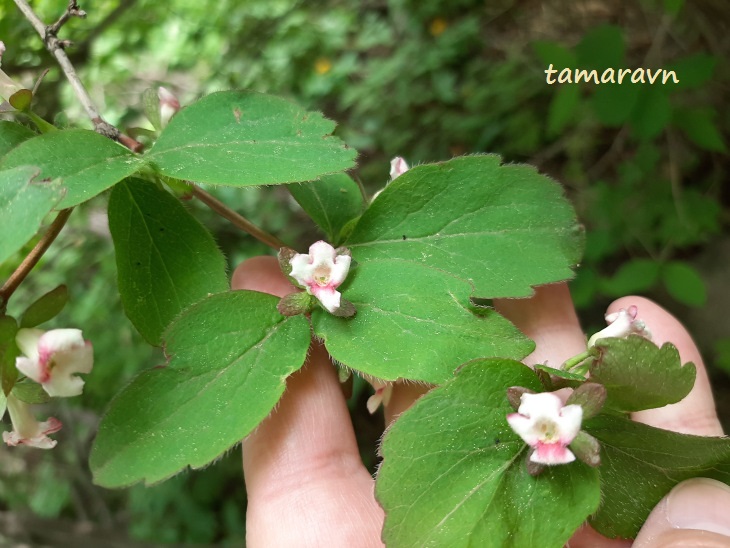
(169, 105)
(383, 393)
(321, 272)
(622, 324)
(53, 357)
(548, 426)
(26, 429)
(2, 49)
(398, 166)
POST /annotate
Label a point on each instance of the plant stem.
(17, 277)
(575, 361)
(239, 221)
(55, 47)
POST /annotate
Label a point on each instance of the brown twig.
(241, 222)
(17, 277)
(56, 48)
(72, 10)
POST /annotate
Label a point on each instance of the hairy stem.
(17, 277)
(239, 221)
(55, 47)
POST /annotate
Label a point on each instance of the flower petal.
(322, 253)
(339, 270)
(27, 341)
(329, 298)
(569, 423)
(33, 369)
(302, 269)
(552, 453)
(542, 404)
(524, 428)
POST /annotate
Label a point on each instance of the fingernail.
(700, 503)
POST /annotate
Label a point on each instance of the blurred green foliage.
(644, 164)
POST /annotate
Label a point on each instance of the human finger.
(695, 513)
(305, 480)
(550, 320)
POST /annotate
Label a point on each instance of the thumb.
(695, 513)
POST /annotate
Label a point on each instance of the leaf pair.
(231, 138)
(454, 472)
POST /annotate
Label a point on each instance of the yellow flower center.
(547, 429)
(321, 275)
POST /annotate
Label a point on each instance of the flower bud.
(169, 105)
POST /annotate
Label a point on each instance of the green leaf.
(3, 404)
(454, 473)
(634, 276)
(553, 53)
(242, 138)
(562, 378)
(331, 202)
(8, 352)
(23, 205)
(11, 135)
(400, 306)
(641, 464)
(230, 355)
(166, 260)
(87, 162)
(672, 7)
(684, 284)
(30, 392)
(562, 108)
(693, 71)
(151, 107)
(21, 100)
(504, 228)
(613, 103)
(639, 375)
(45, 308)
(652, 112)
(698, 124)
(601, 48)
(722, 354)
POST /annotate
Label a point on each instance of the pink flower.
(383, 393)
(321, 273)
(548, 426)
(169, 105)
(53, 357)
(622, 324)
(398, 166)
(26, 429)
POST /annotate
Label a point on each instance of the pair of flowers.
(51, 358)
(549, 425)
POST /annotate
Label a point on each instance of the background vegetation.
(645, 166)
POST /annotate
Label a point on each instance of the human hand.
(306, 483)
